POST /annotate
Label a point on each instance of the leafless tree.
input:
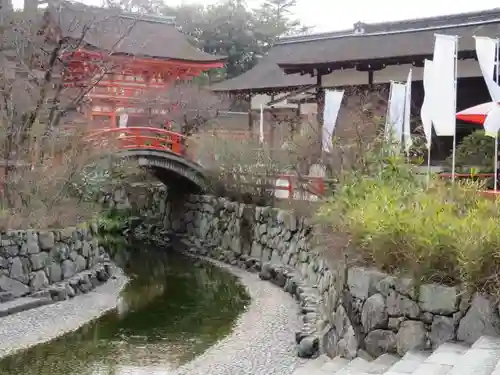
(356, 134)
(187, 107)
(42, 106)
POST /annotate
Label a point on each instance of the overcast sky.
(327, 15)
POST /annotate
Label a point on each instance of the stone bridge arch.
(175, 171)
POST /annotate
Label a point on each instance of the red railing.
(148, 138)
(304, 185)
(145, 138)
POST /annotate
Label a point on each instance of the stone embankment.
(49, 266)
(347, 311)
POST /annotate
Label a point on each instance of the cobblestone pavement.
(262, 342)
(35, 326)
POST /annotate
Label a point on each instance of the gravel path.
(35, 326)
(262, 342)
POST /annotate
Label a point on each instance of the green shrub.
(476, 149)
(445, 234)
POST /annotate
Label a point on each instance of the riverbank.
(262, 341)
(36, 326)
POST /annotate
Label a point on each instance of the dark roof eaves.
(328, 36)
(258, 90)
(299, 67)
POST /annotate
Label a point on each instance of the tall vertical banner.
(429, 101)
(395, 113)
(486, 51)
(426, 112)
(488, 58)
(444, 82)
(445, 90)
(407, 116)
(333, 101)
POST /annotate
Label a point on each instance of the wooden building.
(267, 85)
(142, 53)
(369, 56)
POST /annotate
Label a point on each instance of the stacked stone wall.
(346, 311)
(56, 263)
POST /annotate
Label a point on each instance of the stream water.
(173, 309)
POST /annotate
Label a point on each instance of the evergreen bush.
(444, 233)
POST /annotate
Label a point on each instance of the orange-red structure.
(140, 54)
(143, 138)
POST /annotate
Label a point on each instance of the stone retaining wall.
(58, 263)
(346, 312)
(63, 263)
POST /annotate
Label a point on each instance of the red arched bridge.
(166, 154)
(162, 151)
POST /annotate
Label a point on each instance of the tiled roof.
(266, 75)
(126, 33)
(387, 40)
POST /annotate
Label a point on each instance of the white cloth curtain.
(395, 112)
(333, 101)
(407, 116)
(426, 110)
(444, 85)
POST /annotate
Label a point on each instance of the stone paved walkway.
(262, 342)
(45, 323)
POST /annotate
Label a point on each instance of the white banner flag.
(444, 84)
(492, 123)
(486, 50)
(333, 101)
(395, 112)
(407, 118)
(426, 110)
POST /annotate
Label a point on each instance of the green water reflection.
(173, 309)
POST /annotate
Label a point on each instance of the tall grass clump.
(436, 233)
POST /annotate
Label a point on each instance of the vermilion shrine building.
(145, 53)
(370, 56)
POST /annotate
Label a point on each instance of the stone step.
(409, 363)
(334, 365)
(481, 359)
(496, 371)
(313, 366)
(381, 364)
(22, 304)
(356, 367)
(441, 361)
(363, 367)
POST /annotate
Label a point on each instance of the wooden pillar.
(272, 137)
(113, 118)
(320, 103)
(370, 78)
(250, 117)
(297, 122)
